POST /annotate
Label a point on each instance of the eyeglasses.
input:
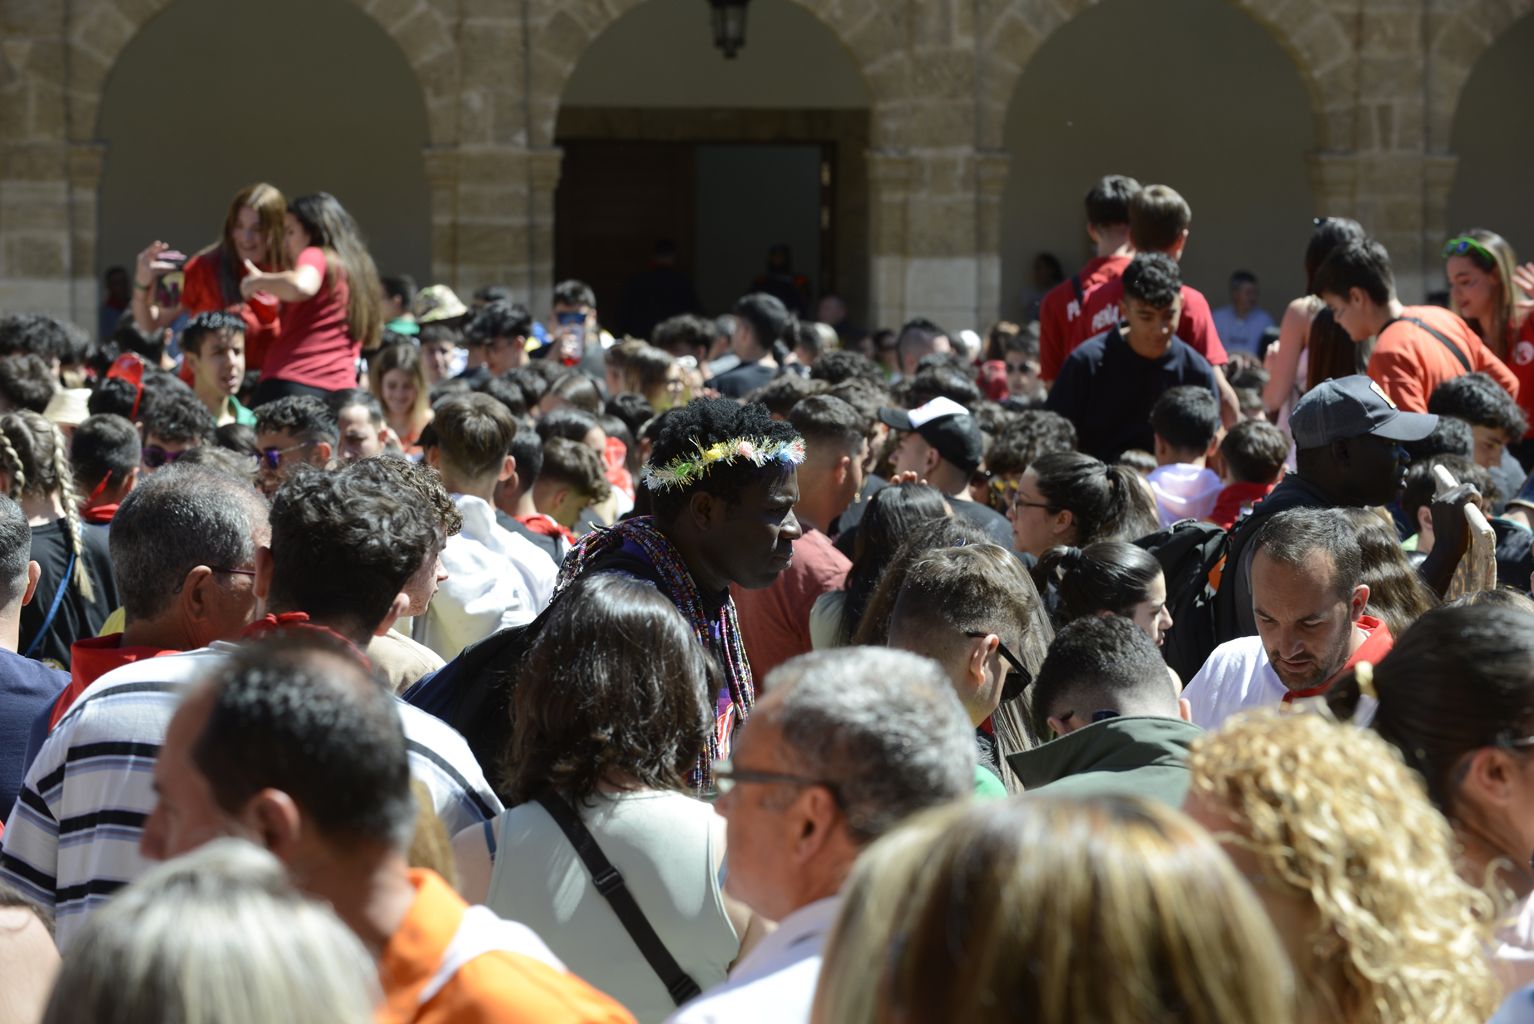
(726, 776)
(154, 456)
(1018, 679)
(1018, 502)
(271, 458)
(1465, 244)
(217, 570)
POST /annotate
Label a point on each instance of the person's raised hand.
(149, 266)
(910, 476)
(1450, 528)
(251, 282)
(1523, 277)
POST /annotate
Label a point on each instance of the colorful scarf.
(719, 636)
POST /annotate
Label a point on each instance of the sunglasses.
(154, 456)
(271, 458)
(727, 776)
(1464, 245)
(1018, 679)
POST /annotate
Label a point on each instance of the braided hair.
(34, 455)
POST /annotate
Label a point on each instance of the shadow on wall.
(319, 99)
(1188, 93)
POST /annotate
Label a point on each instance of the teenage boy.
(942, 444)
(1108, 226)
(213, 345)
(1186, 424)
(495, 577)
(105, 455)
(1416, 348)
(1108, 385)
(571, 480)
(1495, 419)
(299, 430)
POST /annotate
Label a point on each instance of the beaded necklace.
(720, 637)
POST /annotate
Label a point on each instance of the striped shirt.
(72, 837)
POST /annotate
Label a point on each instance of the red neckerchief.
(99, 513)
(92, 658)
(547, 526)
(1377, 644)
(270, 623)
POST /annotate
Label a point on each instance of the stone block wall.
(1383, 78)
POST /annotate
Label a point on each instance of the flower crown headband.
(688, 469)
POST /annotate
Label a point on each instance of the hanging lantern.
(729, 25)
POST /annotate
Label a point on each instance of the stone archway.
(1320, 47)
(1456, 42)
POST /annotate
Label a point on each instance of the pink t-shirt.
(775, 621)
(316, 347)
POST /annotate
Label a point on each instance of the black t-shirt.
(986, 518)
(77, 618)
(1106, 389)
(744, 379)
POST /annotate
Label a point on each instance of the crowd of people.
(366, 654)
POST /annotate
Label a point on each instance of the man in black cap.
(1347, 436)
(940, 442)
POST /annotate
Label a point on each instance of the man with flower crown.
(721, 486)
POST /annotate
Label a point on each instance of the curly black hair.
(1480, 401)
(26, 381)
(704, 422)
(304, 417)
(343, 547)
(1153, 278)
(177, 415)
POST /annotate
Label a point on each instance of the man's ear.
(276, 821)
(263, 583)
(1185, 709)
(432, 456)
(706, 510)
(508, 469)
(323, 450)
(193, 598)
(1179, 245)
(1057, 725)
(34, 573)
(1359, 600)
(397, 608)
(818, 812)
(980, 651)
(841, 469)
(1425, 520)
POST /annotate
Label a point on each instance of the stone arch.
(1308, 31)
(100, 29)
(1457, 41)
(870, 35)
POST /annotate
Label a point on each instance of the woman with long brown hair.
(1487, 287)
(331, 302)
(252, 237)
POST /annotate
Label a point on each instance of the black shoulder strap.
(1435, 332)
(1076, 287)
(610, 884)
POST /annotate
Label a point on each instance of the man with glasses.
(845, 746)
(174, 421)
(974, 611)
(497, 339)
(183, 548)
(299, 430)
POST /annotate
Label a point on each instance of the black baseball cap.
(944, 424)
(1343, 407)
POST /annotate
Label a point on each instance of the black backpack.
(1192, 556)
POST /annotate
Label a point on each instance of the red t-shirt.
(316, 347)
(1409, 363)
(200, 293)
(1520, 360)
(1060, 311)
(775, 621)
(1100, 312)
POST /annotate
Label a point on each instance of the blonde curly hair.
(1333, 812)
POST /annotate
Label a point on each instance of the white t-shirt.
(1237, 676)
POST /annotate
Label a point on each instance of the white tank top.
(663, 846)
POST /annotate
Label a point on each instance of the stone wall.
(1383, 79)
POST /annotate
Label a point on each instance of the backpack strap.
(615, 891)
(1435, 332)
(53, 609)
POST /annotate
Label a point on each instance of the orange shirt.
(1409, 363)
(448, 964)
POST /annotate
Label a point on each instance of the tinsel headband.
(688, 469)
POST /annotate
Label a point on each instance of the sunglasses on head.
(154, 456)
(1018, 678)
(1465, 245)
